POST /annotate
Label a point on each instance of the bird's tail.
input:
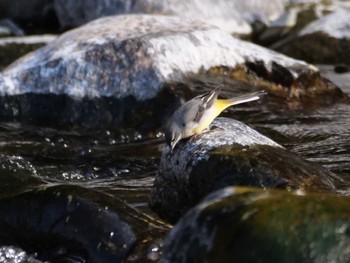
(225, 103)
(246, 98)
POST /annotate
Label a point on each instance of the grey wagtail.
(198, 113)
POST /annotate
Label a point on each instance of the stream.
(124, 163)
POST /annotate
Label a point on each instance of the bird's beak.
(173, 144)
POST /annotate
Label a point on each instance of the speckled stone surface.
(231, 153)
(132, 55)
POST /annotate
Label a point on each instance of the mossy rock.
(249, 225)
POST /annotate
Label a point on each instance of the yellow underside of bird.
(210, 114)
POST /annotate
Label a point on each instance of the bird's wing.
(189, 112)
(206, 101)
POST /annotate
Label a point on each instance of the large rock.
(247, 225)
(64, 223)
(233, 16)
(102, 58)
(230, 154)
(325, 40)
(101, 72)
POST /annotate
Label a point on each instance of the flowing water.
(124, 163)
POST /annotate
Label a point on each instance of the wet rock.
(17, 175)
(296, 16)
(11, 254)
(68, 223)
(103, 61)
(246, 225)
(230, 154)
(232, 16)
(12, 48)
(325, 40)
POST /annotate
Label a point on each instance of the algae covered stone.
(251, 225)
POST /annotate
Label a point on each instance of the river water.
(124, 163)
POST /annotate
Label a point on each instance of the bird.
(196, 115)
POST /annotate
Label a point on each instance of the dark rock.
(341, 68)
(230, 154)
(63, 110)
(17, 175)
(64, 223)
(35, 16)
(248, 225)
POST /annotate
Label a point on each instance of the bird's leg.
(213, 128)
(196, 135)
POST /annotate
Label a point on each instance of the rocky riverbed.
(85, 172)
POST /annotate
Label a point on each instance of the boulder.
(102, 73)
(103, 59)
(324, 41)
(66, 223)
(250, 225)
(231, 153)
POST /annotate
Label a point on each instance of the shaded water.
(321, 135)
(124, 163)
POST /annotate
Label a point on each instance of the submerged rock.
(102, 61)
(249, 225)
(231, 153)
(64, 223)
